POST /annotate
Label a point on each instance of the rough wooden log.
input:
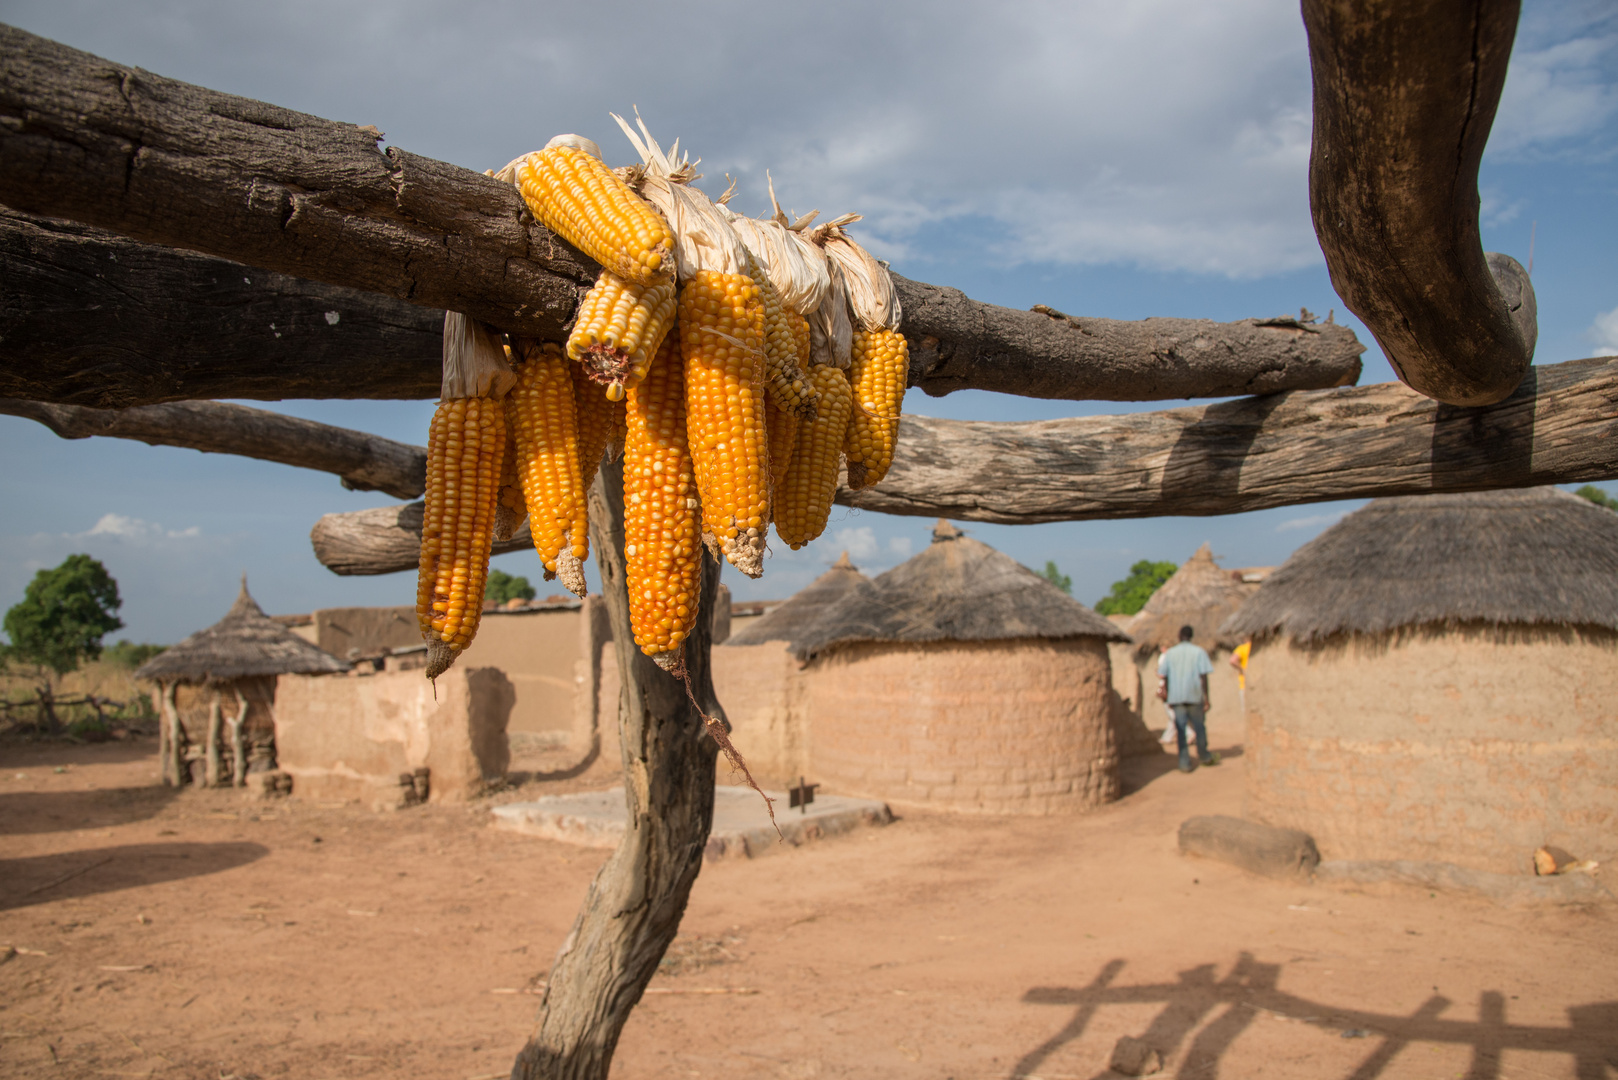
(1560, 426)
(633, 908)
(364, 462)
(91, 318)
(1262, 849)
(178, 165)
(1404, 95)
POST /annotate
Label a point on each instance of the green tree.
(1057, 578)
(1130, 595)
(127, 654)
(1597, 496)
(63, 615)
(502, 586)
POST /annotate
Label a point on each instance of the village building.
(224, 679)
(1435, 678)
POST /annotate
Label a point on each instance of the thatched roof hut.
(1436, 678)
(961, 679)
(795, 620)
(233, 662)
(1200, 595)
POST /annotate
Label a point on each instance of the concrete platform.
(741, 827)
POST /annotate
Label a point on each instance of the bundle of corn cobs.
(732, 362)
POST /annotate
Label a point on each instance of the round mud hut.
(965, 681)
(762, 683)
(1435, 678)
(219, 683)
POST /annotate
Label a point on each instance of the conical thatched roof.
(794, 620)
(1199, 595)
(1536, 556)
(245, 642)
(959, 589)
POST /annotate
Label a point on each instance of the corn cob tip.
(506, 523)
(439, 658)
(570, 571)
(746, 552)
(857, 476)
(671, 661)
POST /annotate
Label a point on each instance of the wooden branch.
(957, 343)
(1404, 95)
(1560, 426)
(177, 165)
(92, 318)
(365, 462)
(633, 908)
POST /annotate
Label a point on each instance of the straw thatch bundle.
(1537, 556)
(959, 589)
(1199, 595)
(796, 620)
(245, 643)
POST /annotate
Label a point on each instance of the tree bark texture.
(633, 908)
(1404, 96)
(177, 165)
(364, 462)
(91, 318)
(1560, 426)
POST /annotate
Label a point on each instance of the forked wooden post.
(633, 908)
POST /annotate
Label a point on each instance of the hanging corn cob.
(465, 452)
(618, 329)
(568, 189)
(784, 381)
(509, 508)
(782, 427)
(661, 516)
(804, 498)
(599, 422)
(546, 429)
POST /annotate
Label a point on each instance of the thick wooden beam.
(1560, 426)
(364, 462)
(1404, 95)
(176, 165)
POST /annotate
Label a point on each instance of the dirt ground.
(199, 935)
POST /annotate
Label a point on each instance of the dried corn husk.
(474, 360)
(703, 238)
(870, 290)
(831, 328)
(796, 269)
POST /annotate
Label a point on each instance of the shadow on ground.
(1135, 773)
(1250, 988)
(22, 752)
(41, 879)
(26, 812)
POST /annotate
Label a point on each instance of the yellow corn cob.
(878, 372)
(509, 508)
(620, 429)
(801, 338)
(580, 199)
(464, 449)
(597, 420)
(784, 380)
(722, 343)
(662, 555)
(618, 330)
(546, 431)
(805, 495)
(782, 428)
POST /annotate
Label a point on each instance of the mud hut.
(763, 684)
(1436, 678)
(222, 677)
(962, 680)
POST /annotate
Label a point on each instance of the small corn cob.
(784, 380)
(597, 420)
(801, 338)
(464, 449)
(509, 508)
(618, 329)
(546, 431)
(722, 343)
(806, 493)
(878, 372)
(662, 544)
(782, 428)
(581, 200)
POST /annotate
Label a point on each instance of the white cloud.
(1561, 84)
(137, 530)
(1604, 333)
(1313, 521)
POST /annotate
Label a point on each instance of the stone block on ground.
(1135, 1057)
(741, 826)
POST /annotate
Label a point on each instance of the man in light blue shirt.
(1187, 667)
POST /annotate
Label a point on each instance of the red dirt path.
(200, 935)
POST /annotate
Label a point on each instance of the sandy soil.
(201, 935)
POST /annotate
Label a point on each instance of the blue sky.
(1109, 160)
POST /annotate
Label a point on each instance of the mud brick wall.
(1006, 727)
(1469, 745)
